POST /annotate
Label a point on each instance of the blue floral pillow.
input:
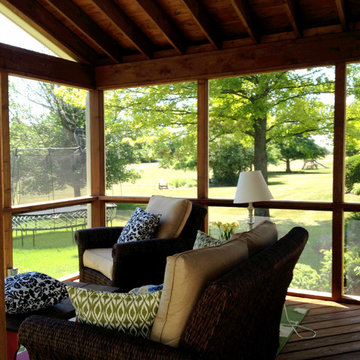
(141, 225)
(32, 291)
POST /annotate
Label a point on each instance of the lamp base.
(251, 220)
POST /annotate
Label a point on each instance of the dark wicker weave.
(136, 263)
(236, 317)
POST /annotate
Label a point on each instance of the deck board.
(337, 329)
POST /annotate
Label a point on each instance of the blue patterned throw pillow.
(32, 291)
(141, 225)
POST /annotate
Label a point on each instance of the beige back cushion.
(262, 236)
(174, 214)
(186, 275)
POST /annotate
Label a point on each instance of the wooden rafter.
(89, 28)
(293, 16)
(242, 9)
(125, 25)
(164, 24)
(340, 4)
(201, 17)
(52, 29)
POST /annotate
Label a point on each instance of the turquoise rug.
(296, 315)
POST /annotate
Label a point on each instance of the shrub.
(227, 160)
(352, 175)
(356, 189)
(305, 277)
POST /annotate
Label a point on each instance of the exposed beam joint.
(340, 4)
(89, 28)
(30, 64)
(126, 26)
(202, 18)
(293, 16)
(34, 14)
(242, 10)
(164, 24)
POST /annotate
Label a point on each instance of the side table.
(62, 310)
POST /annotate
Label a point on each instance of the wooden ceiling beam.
(52, 29)
(164, 24)
(30, 64)
(242, 10)
(126, 26)
(89, 28)
(340, 5)
(202, 18)
(293, 16)
(251, 59)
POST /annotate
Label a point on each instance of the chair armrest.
(47, 338)
(143, 262)
(101, 237)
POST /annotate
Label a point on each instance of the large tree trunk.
(260, 155)
(288, 170)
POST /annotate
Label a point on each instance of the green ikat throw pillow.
(129, 313)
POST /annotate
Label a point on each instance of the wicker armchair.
(236, 317)
(136, 263)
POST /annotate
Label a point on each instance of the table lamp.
(251, 188)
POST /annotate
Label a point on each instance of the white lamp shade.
(251, 188)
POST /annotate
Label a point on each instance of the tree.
(264, 108)
(299, 147)
(48, 140)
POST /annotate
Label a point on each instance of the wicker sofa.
(150, 253)
(237, 316)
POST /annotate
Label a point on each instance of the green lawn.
(56, 254)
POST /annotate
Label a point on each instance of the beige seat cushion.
(262, 236)
(186, 275)
(100, 260)
(174, 214)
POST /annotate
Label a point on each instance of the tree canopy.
(159, 123)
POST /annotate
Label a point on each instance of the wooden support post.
(96, 141)
(338, 183)
(4, 118)
(203, 142)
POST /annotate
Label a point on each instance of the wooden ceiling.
(107, 32)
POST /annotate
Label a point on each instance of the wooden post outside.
(203, 143)
(4, 118)
(96, 155)
(338, 183)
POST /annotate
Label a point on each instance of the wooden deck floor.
(337, 327)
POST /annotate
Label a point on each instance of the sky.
(12, 34)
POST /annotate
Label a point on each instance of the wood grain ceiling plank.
(293, 16)
(44, 22)
(164, 24)
(202, 18)
(89, 28)
(242, 9)
(126, 26)
(340, 5)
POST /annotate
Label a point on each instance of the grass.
(56, 254)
